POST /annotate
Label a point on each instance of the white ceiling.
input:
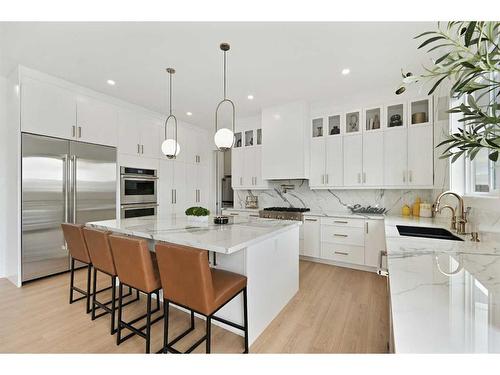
(276, 62)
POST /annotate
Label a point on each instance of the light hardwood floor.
(336, 310)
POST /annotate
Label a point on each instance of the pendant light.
(170, 147)
(224, 137)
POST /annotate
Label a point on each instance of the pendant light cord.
(225, 95)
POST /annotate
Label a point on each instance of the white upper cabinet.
(237, 168)
(318, 163)
(150, 140)
(129, 134)
(420, 156)
(286, 141)
(96, 121)
(334, 169)
(47, 109)
(385, 146)
(395, 157)
(373, 159)
(353, 160)
(139, 134)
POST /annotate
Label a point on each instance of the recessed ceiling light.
(111, 82)
(250, 97)
(189, 113)
(346, 71)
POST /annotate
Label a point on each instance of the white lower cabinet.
(355, 241)
(311, 237)
(374, 242)
(343, 253)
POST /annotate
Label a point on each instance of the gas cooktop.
(283, 213)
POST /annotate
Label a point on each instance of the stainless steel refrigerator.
(62, 181)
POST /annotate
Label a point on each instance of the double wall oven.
(138, 192)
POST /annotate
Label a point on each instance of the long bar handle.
(66, 187)
(340, 235)
(73, 187)
(341, 253)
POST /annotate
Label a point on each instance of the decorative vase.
(197, 220)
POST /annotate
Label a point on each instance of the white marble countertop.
(445, 295)
(228, 238)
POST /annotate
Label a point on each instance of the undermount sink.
(427, 232)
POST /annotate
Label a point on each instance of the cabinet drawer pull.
(138, 148)
(142, 149)
(254, 215)
(73, 131)
(410, 176)
(322, 179)
(311, 219)
(79, 132)
(340, 222)
(341, 253)
(233, 214)
(340, 235)
(404, 176)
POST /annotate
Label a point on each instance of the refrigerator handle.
(66, 187)
(73, 188)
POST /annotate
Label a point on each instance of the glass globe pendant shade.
(224, 139)
(169, 149)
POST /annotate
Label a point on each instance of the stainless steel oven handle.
(138, 177)
(125, 207)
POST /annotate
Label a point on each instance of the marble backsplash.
(330, 200)
(484, 217)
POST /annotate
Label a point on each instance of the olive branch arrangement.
(470, 58)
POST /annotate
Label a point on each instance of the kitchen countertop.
(445, 295)
(229, 238)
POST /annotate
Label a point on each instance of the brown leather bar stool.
(77, 247)
(102, 261)
(136, 267)
(189, 282)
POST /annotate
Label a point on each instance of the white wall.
(3, 195)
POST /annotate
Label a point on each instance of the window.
(484, 175)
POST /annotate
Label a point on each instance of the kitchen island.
(444, 295)
(266, 251)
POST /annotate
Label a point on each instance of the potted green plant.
(197, 215)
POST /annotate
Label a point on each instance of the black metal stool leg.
(94, 290)
(209, 329)
(71, 280)
(113, 303)
(89, 273)
(148, 324)
(119, 328)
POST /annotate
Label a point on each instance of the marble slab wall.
(330, 200)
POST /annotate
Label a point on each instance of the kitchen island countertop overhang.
(266, 251)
